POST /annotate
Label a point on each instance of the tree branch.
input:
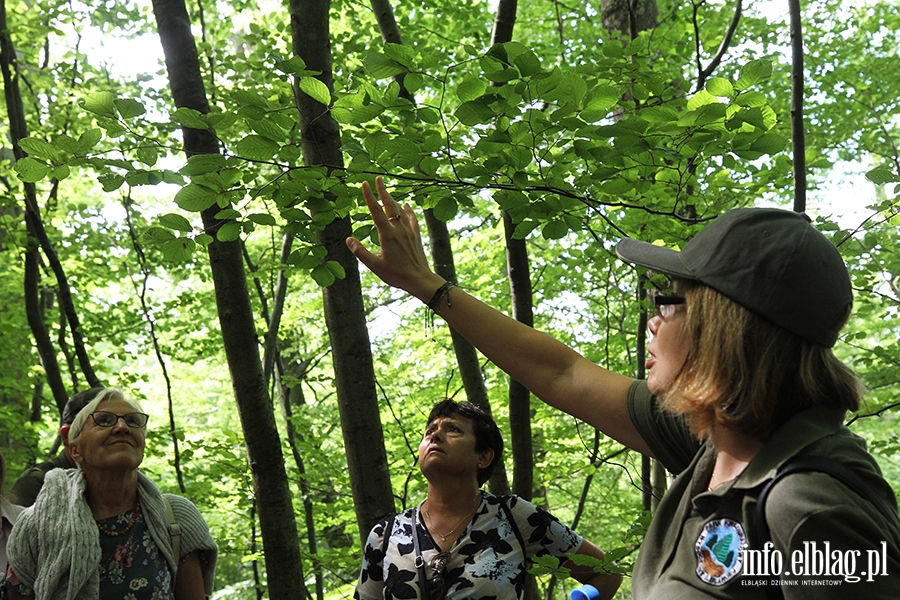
(704, 74)
(877, 413)
(141, 291)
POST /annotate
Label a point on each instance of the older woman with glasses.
(743, 391)
(104, 530)
(461, 542)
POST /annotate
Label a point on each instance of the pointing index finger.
(392, 208)
(375, 209)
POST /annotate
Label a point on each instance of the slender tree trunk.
(466, 354)
(154, 339)
(34, 415)
(18, 130)
(34, 313)
(257, 579)
(798, 132)
(69, 315)
(442, 258)
(630, 16)
(519, 276)
(273, 498)
(274, 318)
(641, 350)
(273, 369)
(344, 311)
(504, 21)
(288, 397)
(64, 294)
(659, 482)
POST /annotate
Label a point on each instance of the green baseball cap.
(770, 261)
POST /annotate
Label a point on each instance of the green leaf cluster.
(581, 138)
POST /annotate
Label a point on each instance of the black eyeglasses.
(134, 420)
(436, 585)
(666, 304)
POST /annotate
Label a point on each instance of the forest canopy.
(172, 225)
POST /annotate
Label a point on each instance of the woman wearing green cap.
(742, 382)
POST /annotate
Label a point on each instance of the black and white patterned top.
(487, 562)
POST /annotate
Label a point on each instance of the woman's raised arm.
(551, 370)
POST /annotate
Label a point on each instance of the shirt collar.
(796, 433)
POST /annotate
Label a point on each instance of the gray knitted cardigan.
(55, 547)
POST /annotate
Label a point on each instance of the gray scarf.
(55, 549)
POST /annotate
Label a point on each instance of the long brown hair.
(747, 373)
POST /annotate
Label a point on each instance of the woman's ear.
(75, 453)
(485, 457)
(64, 434)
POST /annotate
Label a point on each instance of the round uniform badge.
(718, 550)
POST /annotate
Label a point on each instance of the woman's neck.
(734, 451)
(447, 513)
(451, 499)
(111, 493)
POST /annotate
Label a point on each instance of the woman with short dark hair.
(461, 542)
(487, 434)
(742, 387)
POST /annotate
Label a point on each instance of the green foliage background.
(584, 141)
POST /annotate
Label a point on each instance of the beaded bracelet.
(439, 295)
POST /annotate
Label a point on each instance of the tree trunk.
(287, 398)
(273, 369)
(798, 132)
(641, 351)
(18, 130)
(519, 276)
(154, 340)
(273, 318)
(504, 21)
(466, 354)
(629, 16)
(344, 311)
(273, 498)
(442, 258)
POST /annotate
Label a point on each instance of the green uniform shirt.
(27, 486)
(831, 542)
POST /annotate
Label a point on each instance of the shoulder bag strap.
(385, 545)
(807, 463)
(512, 522)
(388, 531)
(174, 531)
(420, 562)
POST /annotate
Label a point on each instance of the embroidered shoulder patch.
(718, 550)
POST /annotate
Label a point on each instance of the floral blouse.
(131, 565)
(487, 562)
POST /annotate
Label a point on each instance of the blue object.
(585, 592)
